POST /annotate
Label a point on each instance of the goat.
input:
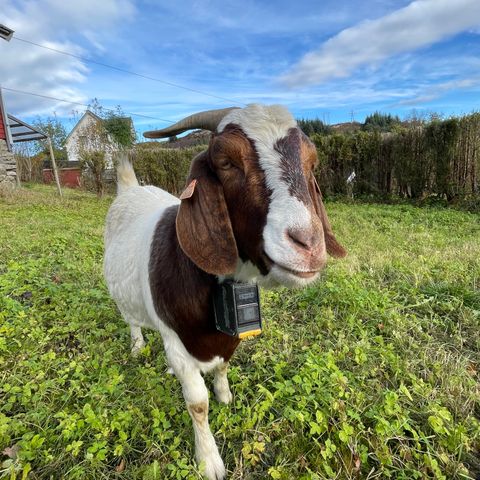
(252, 212)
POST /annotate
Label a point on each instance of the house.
(86, 135)
(81, 137)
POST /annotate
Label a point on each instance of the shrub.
(30, 169)
(164, 167)
(93, 166)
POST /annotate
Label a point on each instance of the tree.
(382, 122)
(93, 143)
(53, 128)
(100, 139)
(117, 125)
(313, 126)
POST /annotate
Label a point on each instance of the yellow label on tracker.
(250, 333)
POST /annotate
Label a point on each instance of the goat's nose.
(304, 238)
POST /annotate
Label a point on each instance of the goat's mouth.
(297, 273)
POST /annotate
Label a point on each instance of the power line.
(129, 72)
(81, 104)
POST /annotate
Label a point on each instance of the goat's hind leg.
(196, 396)
(137, 341)
(220, 384)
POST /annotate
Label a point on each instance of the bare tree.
(94, 149)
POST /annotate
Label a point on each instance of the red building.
(3, 121)
(2, 127)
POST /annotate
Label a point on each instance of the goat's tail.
(126, 177)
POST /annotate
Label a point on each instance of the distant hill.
(347, 127)
(197, 137)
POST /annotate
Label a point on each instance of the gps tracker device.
(237, 309)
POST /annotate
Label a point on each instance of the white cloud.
(421, 23)
(440, 89)
(30, 68)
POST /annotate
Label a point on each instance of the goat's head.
(253, 199)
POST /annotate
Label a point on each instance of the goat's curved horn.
(208, 120)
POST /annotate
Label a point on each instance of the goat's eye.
(224, 163)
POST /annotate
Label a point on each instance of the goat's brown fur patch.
(246, 193)
(181, 294)
(198, 411)
(292, 165)
(203, 223)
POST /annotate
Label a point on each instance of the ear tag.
(188, 192)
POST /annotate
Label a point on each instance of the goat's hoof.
(224, 396)
(213, 467)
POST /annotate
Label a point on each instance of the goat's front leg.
(196, 396)
(220, 384)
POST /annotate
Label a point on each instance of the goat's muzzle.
(309, 244)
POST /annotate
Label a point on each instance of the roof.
(23, 132)
(15, 130)
(87, 113)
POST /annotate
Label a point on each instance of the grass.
(372, 373)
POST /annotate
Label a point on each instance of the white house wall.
(73, 142)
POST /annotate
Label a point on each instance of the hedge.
(441, 158)
(416, 160)
(165, 167)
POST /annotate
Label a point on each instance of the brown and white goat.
(252, 212)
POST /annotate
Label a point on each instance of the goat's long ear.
(204, 229)
(333, 247)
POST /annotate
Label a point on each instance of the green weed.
(371, 373)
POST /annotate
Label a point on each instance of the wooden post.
(17, 177)
(54, 166)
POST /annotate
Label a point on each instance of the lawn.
(372, 373)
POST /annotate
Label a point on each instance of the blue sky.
(335, 60)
